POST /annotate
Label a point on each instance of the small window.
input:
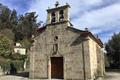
(56, 38)
(53, 17)
(61, 13)
(18, 51)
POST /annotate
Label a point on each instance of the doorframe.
(49, 66)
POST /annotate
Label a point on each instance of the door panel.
(57, 67)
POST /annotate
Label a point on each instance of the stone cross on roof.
(57, 4)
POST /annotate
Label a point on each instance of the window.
(18, 51)
(56, 38)
(61, 13)
(53, 17)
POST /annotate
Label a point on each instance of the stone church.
(63, 52)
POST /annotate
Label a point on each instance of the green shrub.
(5, 65)
(9, 65)
(18, 64)
(17, 56)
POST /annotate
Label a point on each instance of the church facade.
(63, 52)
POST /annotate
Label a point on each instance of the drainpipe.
(83, 55)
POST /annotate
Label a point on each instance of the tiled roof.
(85, 34)
(41, 29)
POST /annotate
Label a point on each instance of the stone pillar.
(49, 69)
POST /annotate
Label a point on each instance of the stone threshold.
(46, 79)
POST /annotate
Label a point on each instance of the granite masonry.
(61, 51)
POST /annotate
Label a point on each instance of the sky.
(101, 17)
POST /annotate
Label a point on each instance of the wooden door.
(57, 67)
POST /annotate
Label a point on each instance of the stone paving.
(11, 77)
(112, 76)
(109, 76)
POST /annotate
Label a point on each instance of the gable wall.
(43, 48)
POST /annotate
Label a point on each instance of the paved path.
(112, 76)
(10, 77)
(109, 76)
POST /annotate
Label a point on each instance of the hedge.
(12, 65)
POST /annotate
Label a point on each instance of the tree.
(8, 33)
(5, 18)
(14, 20)
(5, 46)
(27, 26)
(15, 29)
(23, 26)
(113, 50)
(18, 56)
(26, 43)
(8, 23)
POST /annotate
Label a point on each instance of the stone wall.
(73, 54)
(96, 59)
(80, 56)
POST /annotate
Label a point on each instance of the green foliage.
(17, 56)
(26, 43)
(113, 51)
(15, 29)
(23, 26)
(5, 64)
(4, 18)
(26, 26)
(18, 64)
(8, 33)
(5, 46)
